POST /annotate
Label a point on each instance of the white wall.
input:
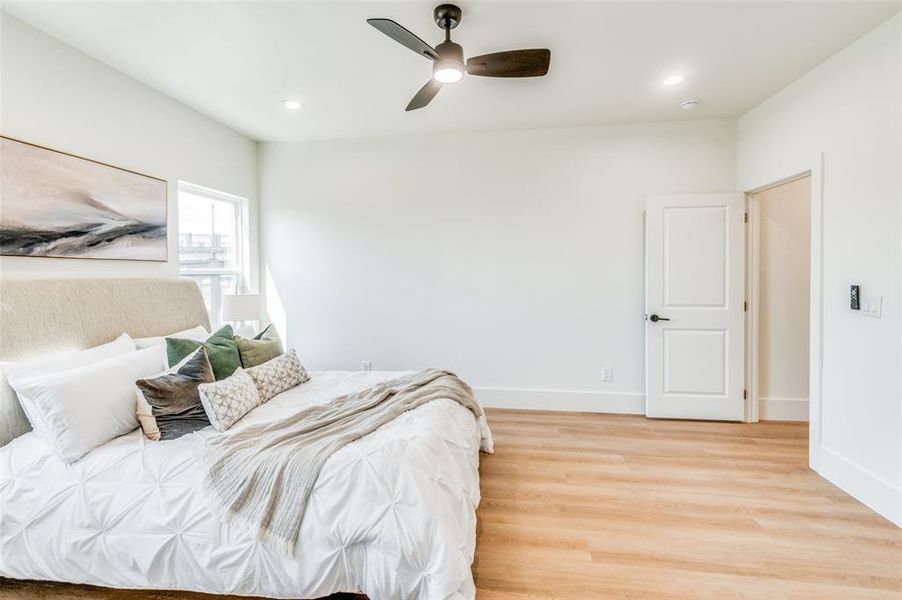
(848, 108)
(784, 248)
(514, 258)
(55, 96)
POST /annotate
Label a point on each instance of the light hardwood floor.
(613, 506)
(618, 506)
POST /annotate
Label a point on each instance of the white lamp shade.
(241, 307)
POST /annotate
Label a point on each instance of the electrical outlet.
(366, 365)
(607, 374)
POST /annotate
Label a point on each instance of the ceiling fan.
(448, 57)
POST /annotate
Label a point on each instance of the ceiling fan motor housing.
(452, 57)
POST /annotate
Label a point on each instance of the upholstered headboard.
(39, 317)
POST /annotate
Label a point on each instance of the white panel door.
(695, 325)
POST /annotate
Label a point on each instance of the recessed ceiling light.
(292, 104)
(673, 80)
(690, 104)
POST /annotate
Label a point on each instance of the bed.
(391, 516)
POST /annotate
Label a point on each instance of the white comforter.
(392, 515)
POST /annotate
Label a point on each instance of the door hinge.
(745, 394)
(745, 306)
(745, 218)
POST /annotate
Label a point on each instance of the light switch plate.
(872, 306)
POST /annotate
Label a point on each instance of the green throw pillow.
(265, 346)
(221, 350)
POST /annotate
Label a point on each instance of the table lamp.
(241, 309)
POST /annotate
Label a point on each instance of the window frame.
(242, 246)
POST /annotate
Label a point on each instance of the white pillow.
(85, 407)
(198, 334)
(10, 372)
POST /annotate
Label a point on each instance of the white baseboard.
(632, 403)
(569, 400)
(783, 409)
(877, 494)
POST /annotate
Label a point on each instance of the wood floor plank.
(583, 506)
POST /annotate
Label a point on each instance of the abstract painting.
(60, 205)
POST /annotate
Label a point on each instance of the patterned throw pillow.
(221, 350)
(265, 346)
(229, 399)
(277, 375)
(169, 405)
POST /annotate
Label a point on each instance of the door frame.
(815, 308)
(753, 296)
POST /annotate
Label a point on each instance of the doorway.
(779, 269)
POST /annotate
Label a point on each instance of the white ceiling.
(235, 61)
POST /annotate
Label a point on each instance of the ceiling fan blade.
(404, 37)
(425, 95)
(513, 63)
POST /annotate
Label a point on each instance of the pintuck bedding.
(392, 514)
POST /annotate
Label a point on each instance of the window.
(213, 243)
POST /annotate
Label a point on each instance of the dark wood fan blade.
(425, 95)
(513, 63)
(404, 37)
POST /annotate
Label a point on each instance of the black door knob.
(655, 318)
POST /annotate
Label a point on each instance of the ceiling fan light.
(292, 104)
(448, 74)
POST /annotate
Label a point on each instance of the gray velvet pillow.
(174, 400)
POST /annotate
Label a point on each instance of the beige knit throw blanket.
(262, 476)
